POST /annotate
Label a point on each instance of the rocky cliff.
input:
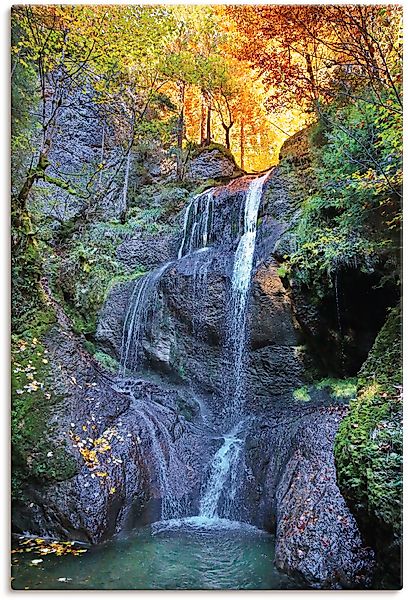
(140, 441)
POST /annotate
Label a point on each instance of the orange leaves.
(92, 450)
(44, 547)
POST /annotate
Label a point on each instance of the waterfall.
(197, 224)
(167, 467)
(226, 466)
(142, 302)
(223, 470)
(241, 284)
(219, 499)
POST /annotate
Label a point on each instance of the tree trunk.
(102, 155)
(202, 122)
(242, 144)
(180, 134)
(123, 207)
(315, 94)
(227, 129)
(208, 128)
(20, 218)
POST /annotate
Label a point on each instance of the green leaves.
(353, 217)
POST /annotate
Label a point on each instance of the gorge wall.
(142, 436)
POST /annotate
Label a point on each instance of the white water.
(143, 299)
(223, 470)
(169, 471)
(199, 522)
(197, 224)
(200, 283)
(218, 503)
(241, 284)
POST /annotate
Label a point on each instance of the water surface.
(190, 554)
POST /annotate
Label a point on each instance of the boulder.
(211, 163)
(293, 492)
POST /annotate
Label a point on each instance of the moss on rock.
(368, 449)
(34, 453)
(341, 390)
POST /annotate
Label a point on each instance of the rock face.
(161, 417)
(128, 426)
(85, 139)
(186, 335)
(290, 459)
(147, 250)
(317, 537)
(211, 163)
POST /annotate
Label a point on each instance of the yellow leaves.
(45, 361)
(32, 387)
(21, 346)
(103, 445)
(92, 450)
(112, 490)
(44, 547)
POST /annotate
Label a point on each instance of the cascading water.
(197, 225)
(240, 284)
(141, 304)
(223, 479)
(202, 261)
(219, 497)
(224, 470)
(167, 466)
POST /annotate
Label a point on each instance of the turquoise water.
(188, 554)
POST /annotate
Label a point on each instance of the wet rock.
(317, 537)
(271, 317)
(122, 485)
(186, 334)
(112, 317)
(276, 370)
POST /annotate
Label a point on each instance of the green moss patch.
(107, 361)
(302, 394)
(338, 389)
(368, 447)
(34, 455)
